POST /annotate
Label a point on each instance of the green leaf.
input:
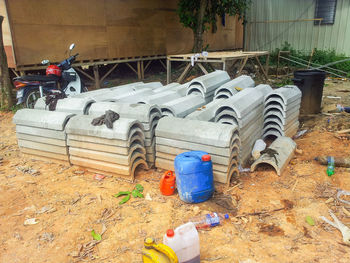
(139, 187)
(122, 193)
(95, 235)
(125, 199)
(140, 195)
(134, 193)
(310, 221)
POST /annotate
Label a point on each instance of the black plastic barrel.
(311, 83)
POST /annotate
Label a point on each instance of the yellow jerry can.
(157, 253)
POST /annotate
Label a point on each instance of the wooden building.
(104, 31)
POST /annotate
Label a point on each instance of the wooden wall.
(7, 35)
(106, 29)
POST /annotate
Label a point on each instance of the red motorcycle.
(61, 78)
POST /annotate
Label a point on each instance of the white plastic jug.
(259, 146)
(184, 240)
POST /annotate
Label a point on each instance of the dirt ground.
(69, 203)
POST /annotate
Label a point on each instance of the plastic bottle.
(209, 220)
(259, 146)
(167, 183)
(338, 161)
(330, 167)
(184, 240)
(157, 253)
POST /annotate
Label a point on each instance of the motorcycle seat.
(40, 78)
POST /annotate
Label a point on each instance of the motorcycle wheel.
(31, 97)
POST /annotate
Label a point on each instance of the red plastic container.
(167, 183)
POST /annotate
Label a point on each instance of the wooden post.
(97, 77)
(168, 71)
(139, 74)
(142, 70)
(224, 65)
(267, 66)
(5, 81)
(278, 63)
(311, 55)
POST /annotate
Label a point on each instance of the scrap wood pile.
(210, 113)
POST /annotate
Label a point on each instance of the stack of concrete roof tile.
(281, 112)
(117, 151)
(207, 84)
(147, 114)
(199, 92)
(234, 86)
(42, 135)
(175, 135)
(183, 106)
(129, 92)
(98, 92)
(245, 110)
(206, 112)
(70, 105)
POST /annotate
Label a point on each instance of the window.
(325, 9)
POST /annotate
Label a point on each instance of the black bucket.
(311, 83)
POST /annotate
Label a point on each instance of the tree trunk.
(198, 33)
(5, 81)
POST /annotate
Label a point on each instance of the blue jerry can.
(194, 176)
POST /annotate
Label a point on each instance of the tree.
(5, 81)
(199, 15)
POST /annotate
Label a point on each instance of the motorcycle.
(61, 78)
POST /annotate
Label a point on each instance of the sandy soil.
(68, 203)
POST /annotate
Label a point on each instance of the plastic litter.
(343, 192)
(300, 133)
(184, 240)
(345, 231)
(243, 170)
(30, 221)
(259, 146)
(157, 253)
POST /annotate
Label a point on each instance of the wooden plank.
(142, 70)
(267, 66)
(84, 73)
(139, 74)
(168, 71)
(132, 68)
(183, 75)
(243, 63)
(222, 54)
(148, 63)
(161, 62)
(100, 62)
(97, 77)
(202, 68)
(109, 72)
(261, 68)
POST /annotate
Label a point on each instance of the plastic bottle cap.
(206, 158)
(227, 216)
(170, 233)
(149, 241)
